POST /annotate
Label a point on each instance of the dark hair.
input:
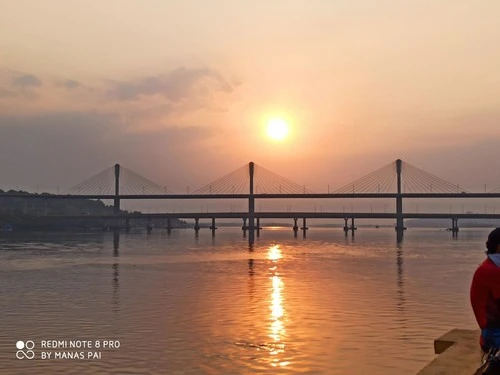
(490, 248)
(493, 241)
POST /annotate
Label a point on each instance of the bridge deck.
(286, 215)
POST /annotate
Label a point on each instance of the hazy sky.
(179, 90)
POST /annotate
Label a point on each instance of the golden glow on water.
(274, 253)
(277, 327)
(276, 300)
(186, 310)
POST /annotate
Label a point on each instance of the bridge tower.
(251, 203)
(117, 189)
(399, 199)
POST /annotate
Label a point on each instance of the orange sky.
(178, 91)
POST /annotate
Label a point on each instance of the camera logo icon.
(25, 350)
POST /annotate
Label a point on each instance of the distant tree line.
(42, 213)
(47, 207)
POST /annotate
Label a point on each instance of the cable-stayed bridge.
(398, 180)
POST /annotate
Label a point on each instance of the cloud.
(64, 148)
(4, 93)
(71, 84)
(180, 97)
(174, 86)
(26, 81)
(157, 125)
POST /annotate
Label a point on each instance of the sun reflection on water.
(274, 253)
(277, 328)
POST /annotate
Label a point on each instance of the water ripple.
(180, 305)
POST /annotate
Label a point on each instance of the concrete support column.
(196, 224)
(454, 226)
(295, 225)
(213, 227)
(304, 227)
(116, 239)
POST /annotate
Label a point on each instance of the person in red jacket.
(485, 293)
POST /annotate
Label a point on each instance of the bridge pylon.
(117, 190)
(399, 198)
(251, 203)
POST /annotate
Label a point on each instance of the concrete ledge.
(459, 354)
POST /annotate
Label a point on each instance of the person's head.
(493, 243)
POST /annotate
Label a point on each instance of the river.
(180, 304)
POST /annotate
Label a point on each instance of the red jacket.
(485, 295)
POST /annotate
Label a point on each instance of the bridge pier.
(348, 228)
(116, 223)
(454, 226)
(213, 227)
(399, 236)
(169, 225)
(244, 227)
(116, 240)
(196, 224)
(304, 227)
(295, 226)
(251, 234)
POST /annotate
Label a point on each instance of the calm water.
(184, 305)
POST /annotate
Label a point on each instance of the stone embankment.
(458, 354)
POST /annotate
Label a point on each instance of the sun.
(277, 128)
